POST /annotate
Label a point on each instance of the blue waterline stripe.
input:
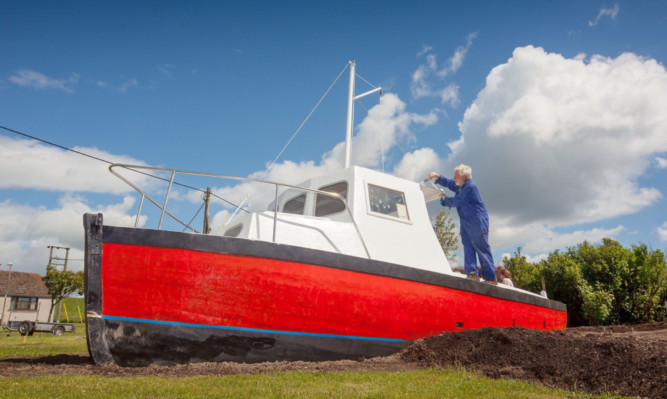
(175, 323)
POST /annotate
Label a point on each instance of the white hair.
(464, 171)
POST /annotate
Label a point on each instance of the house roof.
(22, 284)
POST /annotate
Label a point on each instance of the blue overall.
(474, 223)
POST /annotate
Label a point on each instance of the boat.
(342, 266)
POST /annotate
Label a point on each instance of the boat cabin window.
(387, 202)
(325, 205)
(296, 205)
(234, 231)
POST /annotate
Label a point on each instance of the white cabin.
(389, 212)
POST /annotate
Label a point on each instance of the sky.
(558, 107)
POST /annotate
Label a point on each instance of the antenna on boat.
(350, 113)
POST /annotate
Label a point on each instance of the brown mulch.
(626, 360)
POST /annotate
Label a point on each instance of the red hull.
(197, 287)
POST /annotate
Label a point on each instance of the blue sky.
(558, 107)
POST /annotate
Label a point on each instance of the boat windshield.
(325, 205)
(295, 205)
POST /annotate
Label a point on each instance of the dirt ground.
(626, 360)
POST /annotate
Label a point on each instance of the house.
(23, 296)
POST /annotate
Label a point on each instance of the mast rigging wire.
(266, 172)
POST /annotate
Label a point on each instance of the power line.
(55, 145)
(111, 163)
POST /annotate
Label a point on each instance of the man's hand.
(433, 175)
(442, 199)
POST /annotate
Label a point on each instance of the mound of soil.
(626, 360)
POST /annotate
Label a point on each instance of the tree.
(525, 275)
(600, 284)
(62, 284)
(565, 283)
(445, 230)
(646, 293)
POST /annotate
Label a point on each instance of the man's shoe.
(472, 276)
(491, 282)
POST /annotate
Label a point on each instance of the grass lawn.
(44, 343)
(427, 383)
(72, 310)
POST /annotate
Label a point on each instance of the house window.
(25, 303)
(326, 205)
(296, 205)
(387, 202)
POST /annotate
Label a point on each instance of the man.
(474, 222)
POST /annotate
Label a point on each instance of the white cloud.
(30, 164)
(386, 124)
(662, 162)
(450, 95)
(662, 232)
(538, 239)
(610, 12)
(422, 85)
(424, 50)
(122, 88)
(416, 165)
(551, 140)
(456, 61)
(552, 240)
(166, 69)
(37, 80)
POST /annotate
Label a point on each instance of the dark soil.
(626, 360)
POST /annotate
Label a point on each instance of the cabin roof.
(22, 284)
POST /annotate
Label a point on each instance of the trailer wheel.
(60, 330)
(25, 328)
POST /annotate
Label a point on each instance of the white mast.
(350, 117)
(350, 113)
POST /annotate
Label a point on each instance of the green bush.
(600, 284)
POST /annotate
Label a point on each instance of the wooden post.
(207, 197)
(66, 315)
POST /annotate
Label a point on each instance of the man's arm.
(449, 183)
(463, 196)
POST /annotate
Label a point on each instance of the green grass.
(428, 383)
(44, 343)
(75, 307)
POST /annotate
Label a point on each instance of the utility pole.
(55, 261)
(4, 303)
(207, 197)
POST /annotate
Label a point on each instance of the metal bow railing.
(174, 172)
